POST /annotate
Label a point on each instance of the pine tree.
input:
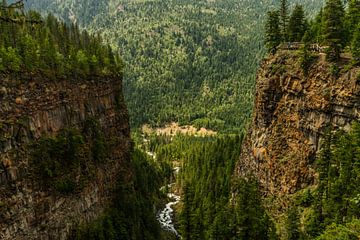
(252, 221)
(272, 32)
(355, 45)
(297, 24)
(315, 28)
(293, 224)
(353, 16)
(333, 28)
(185, 216)
(284, 18)
(29, 53)
(305, 57)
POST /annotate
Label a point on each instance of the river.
(165, 216)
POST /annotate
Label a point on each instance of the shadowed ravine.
(165, 216)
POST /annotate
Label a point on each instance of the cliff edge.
(291, 113)
(47, 200)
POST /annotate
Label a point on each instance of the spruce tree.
(353, 16)
(284, 18)
(315, 28)
(272, 32)
(293, 224)
(297, 24)
(333, 28)
(305, 57)
(252, 221)
(355, 45)
(185, 216)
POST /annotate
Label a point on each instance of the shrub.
(55, 159)
(65, 186)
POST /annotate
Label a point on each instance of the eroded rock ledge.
(290, 116)
(30, 109)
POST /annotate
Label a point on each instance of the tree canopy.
(297, 24)
(333, 30)
(272, 31)
(31, 44)
(185, 61)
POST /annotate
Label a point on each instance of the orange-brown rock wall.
(290, 115)
(33, 108)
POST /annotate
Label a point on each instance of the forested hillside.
(186, 61)
(31, 44)
(209, 210)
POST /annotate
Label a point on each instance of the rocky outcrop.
(32, 108)
(291, 114)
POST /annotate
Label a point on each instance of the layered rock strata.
(292, 112)
(33, 108)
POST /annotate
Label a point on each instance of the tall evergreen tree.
(284, 18)
(355, 45)
(293, 224)
(272, 32)
(353, 16)
(297, 24)
(185, 217)
(253, 223)
(305, 57)
(333, 28)
(315, 28)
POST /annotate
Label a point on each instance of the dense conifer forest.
(131, 215)
(31, 44)
(331, 210)
(185, 61)
(334, 30)
(195, 62)
(209, 209)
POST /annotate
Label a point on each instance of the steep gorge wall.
(291, 113)
(30, 109)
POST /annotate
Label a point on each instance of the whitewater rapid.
(166, 215)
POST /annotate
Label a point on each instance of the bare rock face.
(30, 109)
(291, 114)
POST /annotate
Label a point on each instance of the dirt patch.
(173, 129)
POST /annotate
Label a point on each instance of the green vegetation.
(208, 210)
(66, 162)
(30, 44)
(349, 231)
(355, 45)
(132, 214)
(306, 57)
(297, 24)
(194, 63)
(272, 34)
(284, 18)
(293, 224)
(186, 61)
(335, 28)
(331, 211)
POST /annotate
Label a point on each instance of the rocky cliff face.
(291, 114)
(33, 108)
